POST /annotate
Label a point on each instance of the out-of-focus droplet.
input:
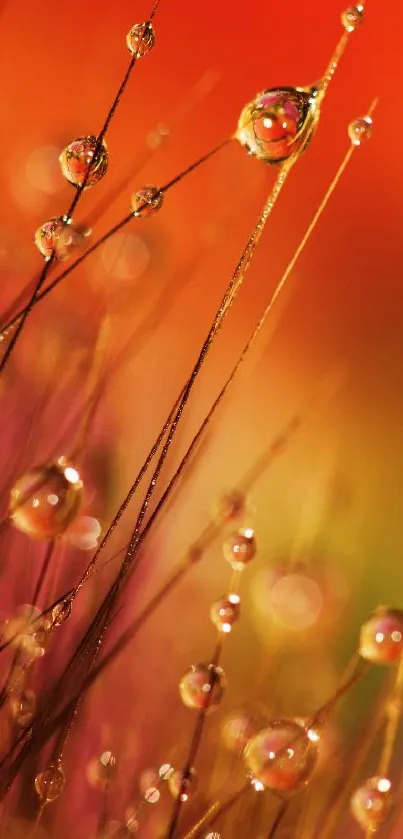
(352, 17)
(152, 795)
(70, 239)
(371, 803)
(18, 631)
(297, 597)
(131, 820)
(42, 170)
(236, 731)
(181, 787)
(146, 201)
(282, 757)
(124, 257)
(231, 506)
(79, 157)
(295, 602)
(141, 39)
(165, 771)
(278, 123)
(84, 533)
(101, 770)
(359, 130)
(202, 686)
(23, 707)
(240, 548)
(381, 637)
(50, 783)
(157, 136)
(225, 612)
(46, 500)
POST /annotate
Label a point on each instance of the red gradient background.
(337, 489)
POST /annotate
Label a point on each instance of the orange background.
(337, 490)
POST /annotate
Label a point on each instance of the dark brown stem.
(277, 821)
(43, 572)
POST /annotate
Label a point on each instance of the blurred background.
(327, 511)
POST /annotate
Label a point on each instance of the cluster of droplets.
(203, 686)
(27, 634)
(84, 163)
(275, 127)
(283, 757)
(380, 643)
(278, 124)
(101, 773)
(43, 503)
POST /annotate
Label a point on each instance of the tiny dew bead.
(381, 637)
(371, 803)
(146, 201)
(50, 783)
(61, 612)
(359, 130)
(141, 39)
(202, 687)
(240, 548)
(352, 18)
(225, 612)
